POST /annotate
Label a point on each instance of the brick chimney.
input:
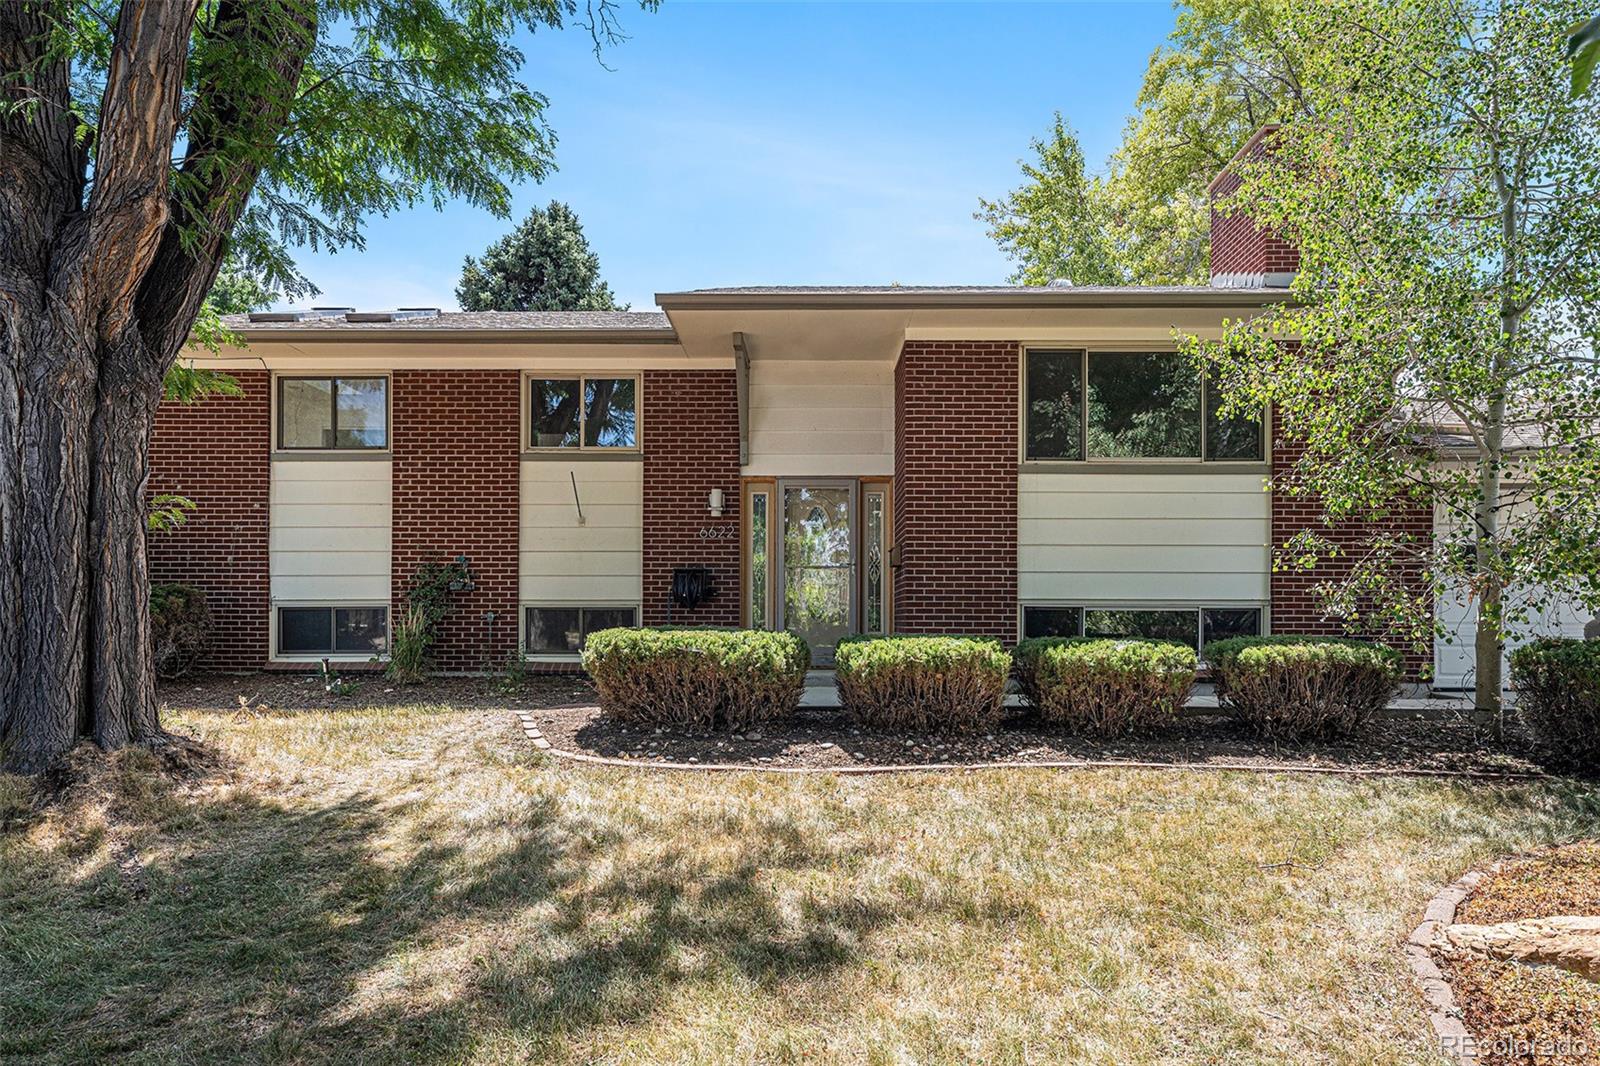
(1244, 255)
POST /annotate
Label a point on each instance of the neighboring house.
(993, 460)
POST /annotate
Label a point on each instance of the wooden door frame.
(770, 485)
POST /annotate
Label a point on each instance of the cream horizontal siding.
(1128, 537)
(331, 530)
(821, 418)
(600, 561)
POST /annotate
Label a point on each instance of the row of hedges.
(1105, 687)
(923, 683)
(1558, 698)
(709, 678)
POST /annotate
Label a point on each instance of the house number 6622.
(716, 532)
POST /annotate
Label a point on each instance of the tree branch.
(138, 123)
(233, 131)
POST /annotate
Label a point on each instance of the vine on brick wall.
(427, 604)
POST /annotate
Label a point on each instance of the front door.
(817, 563)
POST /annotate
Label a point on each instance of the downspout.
(741, 370)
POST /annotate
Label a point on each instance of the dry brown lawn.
(416, 885)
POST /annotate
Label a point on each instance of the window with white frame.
(583, 413)
(1133, 405)
(563, 629)
(333, 413)
(1195, 626)
(333, 630)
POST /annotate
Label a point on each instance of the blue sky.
(786, 143)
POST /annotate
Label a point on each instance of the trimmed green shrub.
(1558, 699)
(704, 678)
(922, 683)
(1106, 687)
(1303, 687)
(180, 628)
(1026, 657)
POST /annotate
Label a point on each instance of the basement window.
(331, 630)
(583, 413)
(1195, 626)
(564, 630)
(333, 414)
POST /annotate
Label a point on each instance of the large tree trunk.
(47, 482)
(122, 696)
(76, 653)
(72, 258)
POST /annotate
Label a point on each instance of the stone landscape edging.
(1443, 1012)
(542, 744)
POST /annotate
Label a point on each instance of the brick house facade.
(956, 488)
(215, 454)
(691, 420)
(789, 443)
(456, 441)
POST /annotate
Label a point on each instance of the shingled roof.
(527, 321)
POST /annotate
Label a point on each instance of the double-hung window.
(1131, 405)
(333, 414)
(583, 413)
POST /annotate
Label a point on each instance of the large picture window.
(583, 412)
(333, 414)
(1143, 405)
(333, 630)
(1110, 405)
(1195, 626)
(563, 630)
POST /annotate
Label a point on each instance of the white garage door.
(1453, 660)
(1454, 665)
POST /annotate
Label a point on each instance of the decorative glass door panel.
(819, 564)
(874, 553)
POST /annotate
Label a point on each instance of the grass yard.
(415, 885)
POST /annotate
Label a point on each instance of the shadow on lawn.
(262, 933)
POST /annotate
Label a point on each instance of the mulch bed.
(1524, 1015)
(305, 691)
(565, 710)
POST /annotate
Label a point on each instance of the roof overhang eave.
(472, 336)
(1066, 298)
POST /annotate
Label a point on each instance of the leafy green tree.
(543, 265)
(1053, 225)
(137, 142)
(1441, 184)
(235, 291)
(1230, 66)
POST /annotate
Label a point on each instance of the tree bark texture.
(100, 283)
(76, 395)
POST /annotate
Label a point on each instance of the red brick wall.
(218, 453)
(955, 498)
(691, 446)
(1239, 246)
(456, 437)
(1295, 607)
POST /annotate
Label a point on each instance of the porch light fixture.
(714, 503)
